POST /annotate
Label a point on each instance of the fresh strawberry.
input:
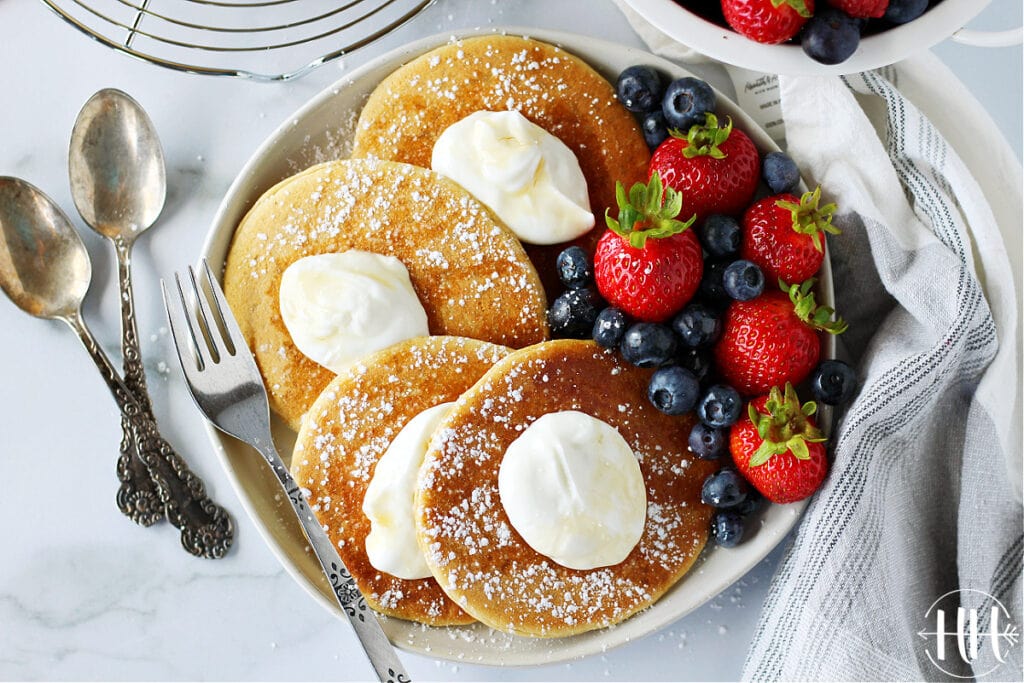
(767, 21)
(648, 263)
(861, 9)
(773, 339)
(716, 168)
(784, 235)
(778, 447)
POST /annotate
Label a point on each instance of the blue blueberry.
(720, 406)
(743, 280)
(574, 268)
(707, 443)
(902, 11)
(830, 36)
(673, 390)
(648, 345)
(712, 290)
(639, 88)
(609, 327)
(720, 235)
(833, 382)
(572, 314)
(779, 172)
(726, 488)
(686, 102)
(727, 528)
(698, 361)
(753, 502)
(697, 325)
(654, 128)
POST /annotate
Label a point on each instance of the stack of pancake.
(485, 301)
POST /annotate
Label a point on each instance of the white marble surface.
(84, 594)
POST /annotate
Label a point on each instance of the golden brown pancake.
(477, 556)
(407, 112)
(349, 428)
(469, 272)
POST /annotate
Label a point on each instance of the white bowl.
(320, 130)
(887, 47)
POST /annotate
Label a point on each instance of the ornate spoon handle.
(138, 496)
(206, 528)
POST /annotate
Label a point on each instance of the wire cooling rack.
(269, 40)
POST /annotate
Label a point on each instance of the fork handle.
(378, 648)
(206, 528)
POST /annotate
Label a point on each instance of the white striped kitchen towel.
(924, 495)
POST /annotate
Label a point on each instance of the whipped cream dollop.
(572, 488)
(524, 174)
(391, 545)
(340, 307)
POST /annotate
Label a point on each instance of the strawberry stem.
(809, 218)
(648, 211)
(799, 6)
(703, 140)
(808, 310)
(784, 426)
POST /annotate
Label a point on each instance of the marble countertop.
(84, 593)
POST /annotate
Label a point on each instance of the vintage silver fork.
(222, 377)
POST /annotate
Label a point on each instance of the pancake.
(561, 93)
(485, 565)
(348, 429)
(470, 273)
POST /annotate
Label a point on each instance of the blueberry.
(654, 128)
(720, 235)
(673, 390)
(697, 325)
(574, 269)
(727, 528)
(572, 314)
(743, 280)
(711, 288)
(779, 172)
(902, 11)
(830, 36)
(724, 489)
(686, 102)
(833, 382)
(720, 406)
(753, 502)
(648, 344)
(697, 361)
(707, 443)
(639, 88)
(609, 327)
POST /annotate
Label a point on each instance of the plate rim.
(215, 246)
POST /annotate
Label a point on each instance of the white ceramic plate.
(321, 130)
(880, 49)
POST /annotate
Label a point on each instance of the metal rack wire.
(268, 40)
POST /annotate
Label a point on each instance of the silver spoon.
(119, 183)
(45, 270)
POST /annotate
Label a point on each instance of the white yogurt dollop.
(524, 174)
(572, 488)
(391, 545)
(340, 307)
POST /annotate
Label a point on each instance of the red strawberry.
(767, 21)
(773, 339)
(861, 9)
(778, 447)
(784, 235)
(716, 169)
(648, 263)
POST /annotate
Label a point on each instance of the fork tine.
(179, 321)
(232, 333)
(206, 319)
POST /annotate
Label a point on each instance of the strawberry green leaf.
(799, 6)
(705, 139)
(647, 212)
(807, 309)
(783, 426)
(809, 218)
